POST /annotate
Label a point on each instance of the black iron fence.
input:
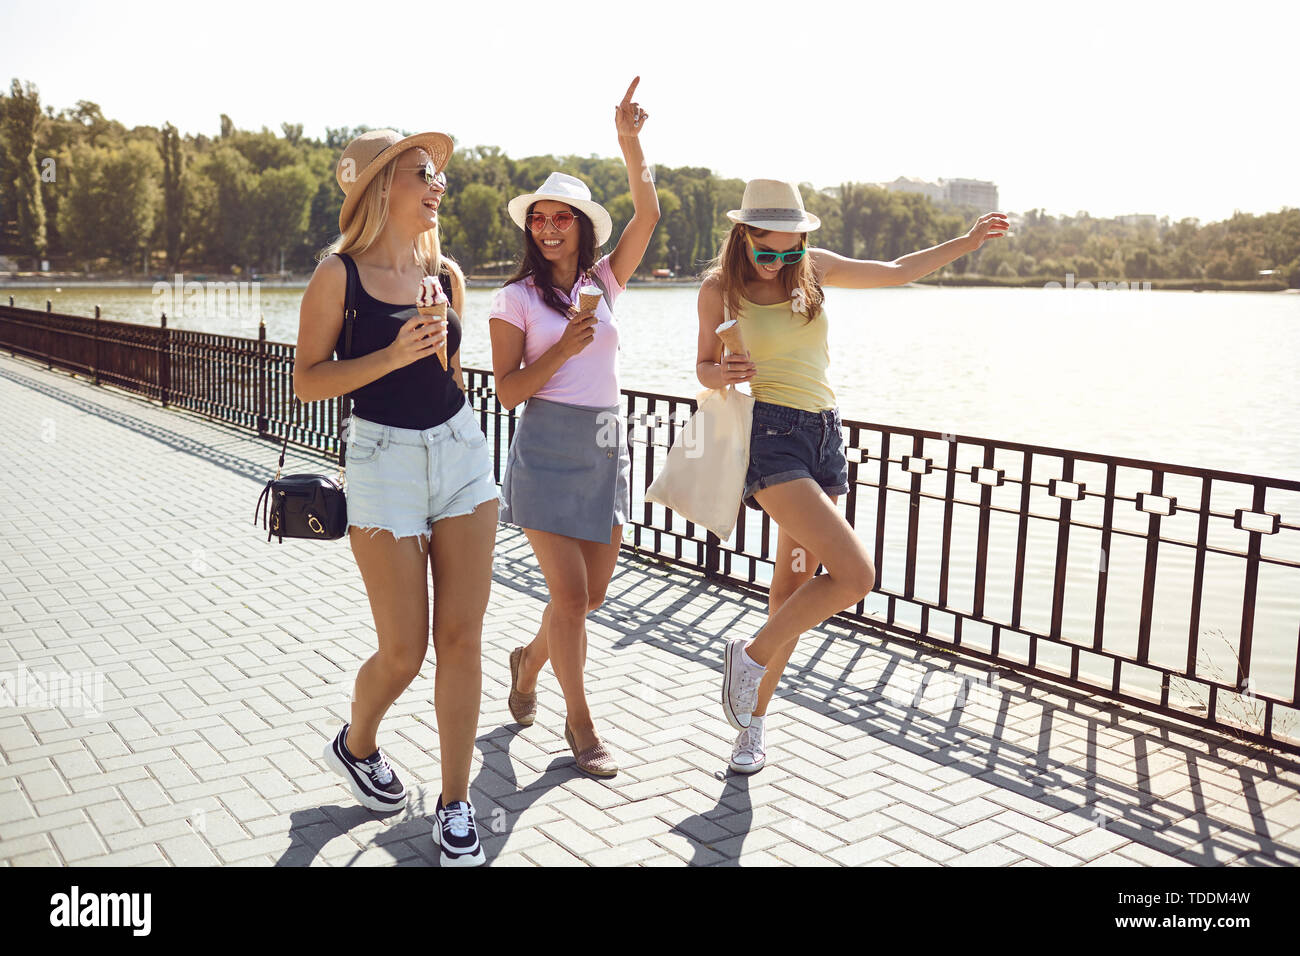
(1170, 588)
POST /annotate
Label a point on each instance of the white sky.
(1179, 109)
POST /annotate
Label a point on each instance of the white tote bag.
(704, 476)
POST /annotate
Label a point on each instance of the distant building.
(971, 192)
(959, 192)
(907, 184)
(1137, 220)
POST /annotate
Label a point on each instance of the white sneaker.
(750, 752)
(740, 679)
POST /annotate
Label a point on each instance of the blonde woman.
(770, 281)
(421, 495)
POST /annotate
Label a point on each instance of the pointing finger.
(631, 89)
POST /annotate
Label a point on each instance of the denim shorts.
(404, 480)
(788, 443)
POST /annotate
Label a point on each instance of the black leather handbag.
(312, 506)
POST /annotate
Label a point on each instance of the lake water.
(1202, 379)
(1207, 379)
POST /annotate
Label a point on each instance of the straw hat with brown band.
(366, 155)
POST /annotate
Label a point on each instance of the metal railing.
(1170, 588)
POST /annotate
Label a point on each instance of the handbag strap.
(726, 317)
(349, 317)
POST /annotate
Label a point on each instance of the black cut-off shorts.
(789, 443)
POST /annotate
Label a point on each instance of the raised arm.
(626, 257)
(837, 270)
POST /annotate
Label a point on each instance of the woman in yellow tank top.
(770, 282)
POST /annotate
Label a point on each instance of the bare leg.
(460, 554)
(801, 509)
(600, 560)
(577, 574)
(794, 565)
(393, 572)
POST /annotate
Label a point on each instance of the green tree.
(478, 209)
(851, 202)
(22, 114)
(620, 209)
(282, 206)
(113, 203)
(173, 191)
(229, 221)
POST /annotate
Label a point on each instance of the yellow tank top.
(791, 354)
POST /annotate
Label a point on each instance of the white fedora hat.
(565, 189)
(773, 205)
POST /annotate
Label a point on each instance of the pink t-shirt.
(591, 376)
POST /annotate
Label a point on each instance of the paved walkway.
(128, 555)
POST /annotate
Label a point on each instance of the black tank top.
(420, 395)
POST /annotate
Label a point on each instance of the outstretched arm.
(837, 270)
(627, 255)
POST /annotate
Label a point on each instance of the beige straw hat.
(774, 205)
(366, 155)
(566, 189)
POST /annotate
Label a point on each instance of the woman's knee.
(459, 640)
(570, 603)
(856, 575)
(861, 578)
(402, 664)
(779, 593)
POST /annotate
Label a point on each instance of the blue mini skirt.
(568, 471)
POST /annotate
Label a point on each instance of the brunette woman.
(566, 479)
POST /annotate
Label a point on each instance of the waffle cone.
(438, 312)
(732, 339)
(588, 301)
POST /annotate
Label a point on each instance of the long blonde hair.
(733, 263)
(371, 216)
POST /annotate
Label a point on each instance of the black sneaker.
(372, 781)
(454, 831)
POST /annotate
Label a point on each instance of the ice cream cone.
(431, 303)
(438, 312)
(588, 298)
(729, 332)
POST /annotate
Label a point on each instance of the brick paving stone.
(43, 857)
(922, 843)
(989, 855)
(904, 813)
(1037, 851)
(864, 850)
(908, 858)
(552, 854)
(1019, 823)
(147, 855)
(189, 850)
(970, 838)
